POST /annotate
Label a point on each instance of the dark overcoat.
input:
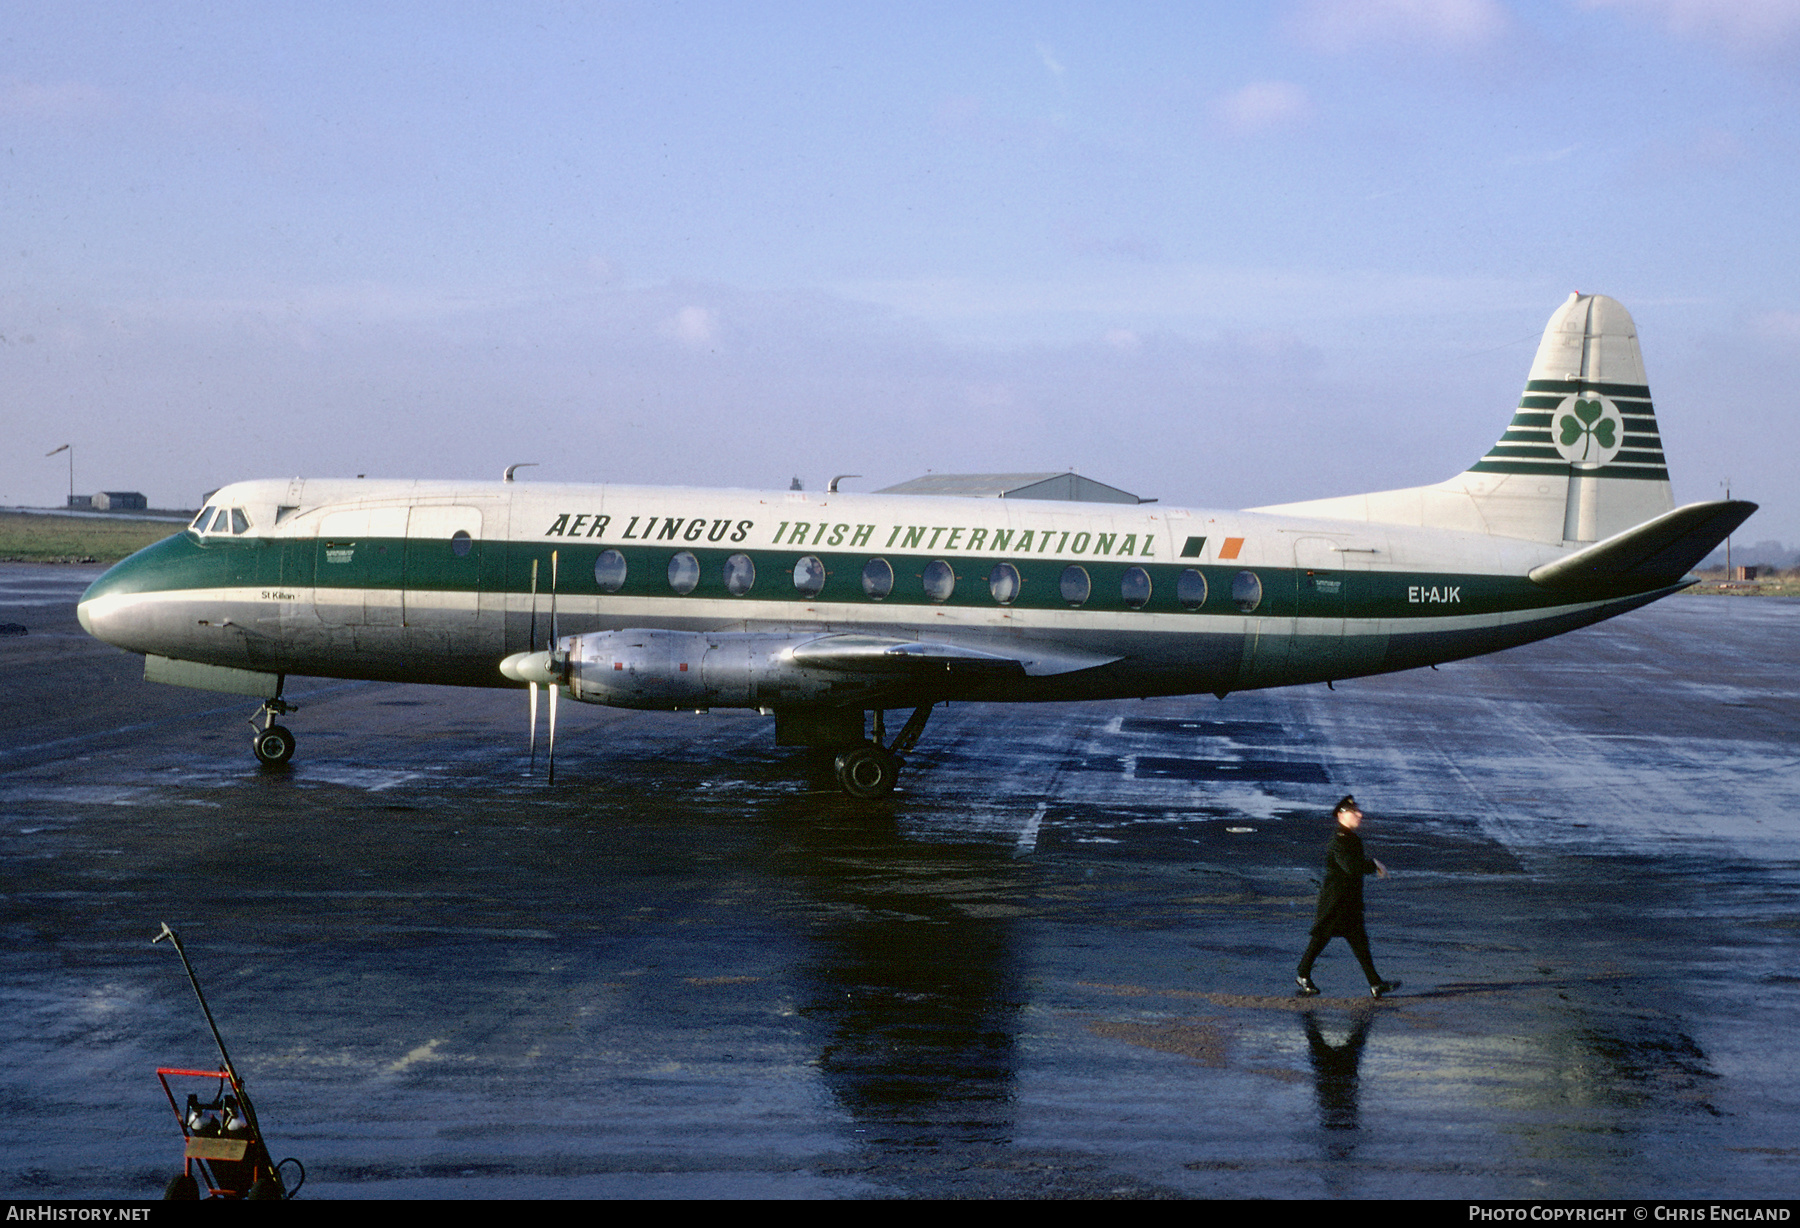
(1341, 897)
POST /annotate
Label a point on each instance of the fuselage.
(437, 582)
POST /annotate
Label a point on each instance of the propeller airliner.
(828, 610)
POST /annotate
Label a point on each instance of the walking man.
(1340, 912)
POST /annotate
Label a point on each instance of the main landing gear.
(870, 770)
(272, 744)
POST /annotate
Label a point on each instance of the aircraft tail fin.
(1580, 461)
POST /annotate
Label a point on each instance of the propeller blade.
(553, 691)
(532, 638)
(553, 634)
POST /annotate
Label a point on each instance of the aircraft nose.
(103, 615)
(112, 604)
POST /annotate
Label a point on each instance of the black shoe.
(1307, 988)
(1381, 989)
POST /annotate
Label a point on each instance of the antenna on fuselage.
(831, 487)
(512, 469)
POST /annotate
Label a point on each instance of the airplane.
(827, 609)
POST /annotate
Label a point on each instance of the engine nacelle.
(695, 669)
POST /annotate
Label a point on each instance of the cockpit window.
(220, 522)
(240, 523)
(203, 519)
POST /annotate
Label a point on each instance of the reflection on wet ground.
(1058, 964)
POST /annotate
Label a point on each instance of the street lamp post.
(70, 449)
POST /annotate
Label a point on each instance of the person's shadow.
(1335, 1079)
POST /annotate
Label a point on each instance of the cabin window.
(684, 572)
(240, 523)
(1003, 583)
(1076, 587)
(1190, 589)
(940, 580)
(740, 574)
(609, 571)
(1134, 587)
(809, 576)
(1246, 591)
(878, 579)
(461, 543)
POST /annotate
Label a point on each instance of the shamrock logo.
(1589, 430)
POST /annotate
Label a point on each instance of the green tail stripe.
(1566, 386)
(1655, 473)
(1627, 406)
(1517, 451)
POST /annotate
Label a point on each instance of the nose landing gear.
(272, 744)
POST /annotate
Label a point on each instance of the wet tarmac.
(1058, 963)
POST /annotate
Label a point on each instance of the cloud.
(695, 326)
(1442, 25)
(1744, 25)
(1262, 106)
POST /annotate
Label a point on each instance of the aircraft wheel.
(274, 745)
(867, 772)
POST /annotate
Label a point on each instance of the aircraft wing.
(880, 654)
(1653, 554)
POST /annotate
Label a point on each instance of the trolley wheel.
(181, 1188)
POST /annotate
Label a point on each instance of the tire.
(274, 745)
(181, 1188)
(867, 772)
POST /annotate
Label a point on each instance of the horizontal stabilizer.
(1655, 553)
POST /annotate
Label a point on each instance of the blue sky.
(1221, 255)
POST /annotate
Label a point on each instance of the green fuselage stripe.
(425, 566)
